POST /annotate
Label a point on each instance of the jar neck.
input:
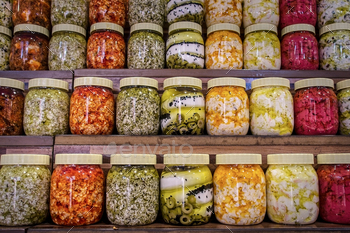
(183, 87)
(50, 88)
(106, 30)
(29, 33)
(317, 87)
(136, 86)
(184, 30)
(146, 30)
(66, 32)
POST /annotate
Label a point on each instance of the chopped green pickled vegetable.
(5, 44)
(344, 111)
(70, 12)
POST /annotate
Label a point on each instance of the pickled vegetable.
(223, 11)
(185, 10)
(146, 11)
(112, 11)
(297, 12)
(70, 12)
(333, 11)
(5, 45)
(344, 111)
(256, 11)
(5, 13)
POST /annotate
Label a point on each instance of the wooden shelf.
(26, 140)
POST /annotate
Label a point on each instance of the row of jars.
(239, 193)
(138, 109)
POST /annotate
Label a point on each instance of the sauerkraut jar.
(146, 11)
(6, 13)
(332, 11)
(5, 46)
(239, 189)
(299, 48)
(335, 47)
(185, 46)
(298, 12)
(106, 47)
(74, 12)
(315, 107)
(224, 48)
(343, 95)
(261, 46)
(271, 107)
(29, 48)
(182, 107)
(92, 107)
(292, 189)
(185, 10)
(24, 189)
(110, 11)
(132, 190)
(186, 189)
(67, 47)
(334, 180)
(265, 11)
(227, 107)
(77, 190)
(223, 11)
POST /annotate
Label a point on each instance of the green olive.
(165, 209)
(187, 208)
(172, 214)
(178, 211)
(170, 203)
(191, 199)
(186, 219)
(166, 218)
(200, 123)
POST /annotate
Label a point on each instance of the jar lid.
(226, 81)
(7, 82)
(6, 31)
(186, 159)
(238, 159)
(340, 85)
(48, 82)
(69, 28)
(260, 27)
(78, 159)
(107, 26)
(139, 81)
(224, 27)
(185, 25)
(133, 159)
(334, 27)
(25, 159)
(298, 28)
(290, 159)
(183, 81)
(273, 81)
(93, 81)
(314, 82)
(32, 28)
(336, 158)
(146, 26)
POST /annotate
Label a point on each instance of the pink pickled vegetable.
(297, 11)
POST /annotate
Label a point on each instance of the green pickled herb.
(70, 12)
(5, 13)
(344, 111)
(146, 11)
(5, 44)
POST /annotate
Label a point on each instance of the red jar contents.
(315, 107)
(334, 183)
(297, 12)
(299, 48)
(112, 11)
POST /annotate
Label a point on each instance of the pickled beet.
(297, 11)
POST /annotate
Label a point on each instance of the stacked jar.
(298, 12)
(271, 107)
(108, 11)
(256, 12)
(217, 12)
(299, 48)
(335, 11)
(146, 11)
(186, 189)
(261, 46)
(182, 107)
(223, 48)
(11, 105)
(343, 95)
(92, 107)
(227, 107)
(5, 46)
(239, 189)
(316, 107)
(132, 190)
(74, 12)
(292, 189)
(6, 13)
(185, 46)
(185, 10)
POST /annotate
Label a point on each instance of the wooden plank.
(13, 229)
(26, 140)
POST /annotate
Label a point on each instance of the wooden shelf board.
(13, 229)
(26, 141)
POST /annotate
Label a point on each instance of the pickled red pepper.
(298, 11)
(112, 11)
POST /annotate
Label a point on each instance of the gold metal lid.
(260, 27)
(336, 158)
(238, 159)
(6, 31)
(25, 159)
(69, 28)
(139, 81)
(183, 81)
(133, 159)
(314, 82)
(185, 25)
(226, 81)
(93, 81)
(273, 81)
(146, 26)
(340, 85)
(78, 159)
(48, 82)
(334, 27)
(8, 82)
(298, 28)
(290, 159)
(31, 28)
(186, 159)
(107, 26)
(224, 27)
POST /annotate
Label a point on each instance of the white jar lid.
(186, 159)
(83, 159)
(226, 81)
(224, 27)
(183, 81)
(298, 28)
(133, 159)
(69, 28)
(336, 158)
(260, 27)
(6, 31)
(290, 159)
(313, 82)
(107, 26)
(146, 26)
(31, 28)
(48, 82)
(185, 25)
(25, 159)
(340, 85)
(238, 159)
(334, 27)
(139, 81)
(8, 82)
(93, 81)
(274, 81)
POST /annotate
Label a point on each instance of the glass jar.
(32, 12)
(239, 189)
(335, 47)
(111, 11)
(316, 107)
(292, 189)
(5, 46)
(77, 190)
(299, 48)
(334, 180)
(343, 95)
(224, 48)
(334, 11)
(256, 12)
(92, 107)
(182, 107)
(146, 11)
(6, 13)
(262, 48)
(70, 12)
(29, 48)
(227, 107)
(24, 189)
(132, 190)
(228, 11)
(106, 47)
(185, 46)
(271, 107)
(298, 12)
(185, 10)
(146, 47)
(11, 105)
(138, 107)
(186, 189)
